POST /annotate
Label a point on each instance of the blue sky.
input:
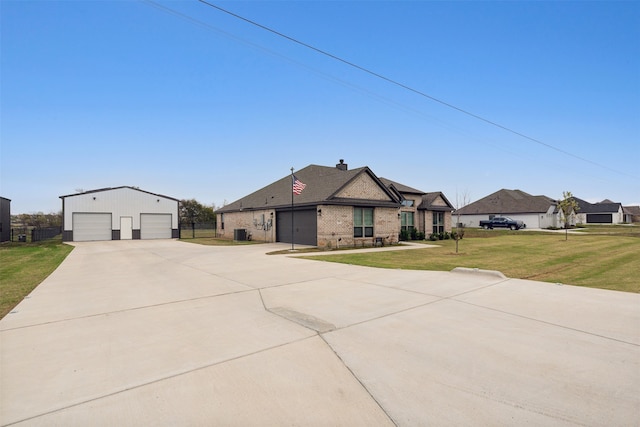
(178, 98)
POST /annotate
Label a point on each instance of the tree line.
(37, 220)
(192, 211)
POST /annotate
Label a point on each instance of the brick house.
(338, 207)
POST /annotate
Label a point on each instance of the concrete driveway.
(130, 333)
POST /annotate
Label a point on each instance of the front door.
(126, 228)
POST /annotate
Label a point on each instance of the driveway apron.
(165, 332)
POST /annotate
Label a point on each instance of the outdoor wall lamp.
(319, 212)
(94, 197)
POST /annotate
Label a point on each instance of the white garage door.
(155, 226)
(91, 226)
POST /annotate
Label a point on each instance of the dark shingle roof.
(508, 202)
(400, 187)
(602, 207)
(322, 185)
(429, 198)
(632, 210)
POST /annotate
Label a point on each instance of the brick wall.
(255, 222)
(335, 227)
(364, 187)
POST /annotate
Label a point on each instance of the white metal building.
(120, 213)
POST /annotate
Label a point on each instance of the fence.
(193, 230)
(28, 234)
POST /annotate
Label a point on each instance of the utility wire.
(408, 88)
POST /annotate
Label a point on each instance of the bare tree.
(462, 200)
(568, 207)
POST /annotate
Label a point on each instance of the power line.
(408, 88)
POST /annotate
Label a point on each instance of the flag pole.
(292, 208)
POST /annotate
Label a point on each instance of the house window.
(362, 222)
(221, 221)
(438, 222)
(406, 221)
(407, 203)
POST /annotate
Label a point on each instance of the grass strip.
(23, 266)
(593, 260)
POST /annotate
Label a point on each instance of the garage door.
(599, 218)
(305, 227)
(91, 226)
(155, 226)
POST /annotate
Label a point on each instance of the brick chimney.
(342, 165)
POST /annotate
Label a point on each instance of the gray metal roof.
(118, 188)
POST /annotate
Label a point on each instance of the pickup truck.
(502, 222)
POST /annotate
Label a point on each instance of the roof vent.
(342, 165)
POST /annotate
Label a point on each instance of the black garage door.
(599, 218)
(305, 227)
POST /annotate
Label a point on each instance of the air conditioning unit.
(240, 234)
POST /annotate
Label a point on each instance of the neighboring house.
(631, 214)
(534, 211)
(337, 207)
(605, 212)
(5, 219)
(120, 213)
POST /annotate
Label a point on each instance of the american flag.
(298, 185)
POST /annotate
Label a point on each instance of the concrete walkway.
(130, 333)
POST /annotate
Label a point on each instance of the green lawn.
(24, 265)
(607, 261)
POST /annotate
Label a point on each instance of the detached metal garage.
(120, 213)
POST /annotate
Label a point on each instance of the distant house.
(631, 213)
(5, 219)
(605, 212)
(337, 207)
(534, 211)
(119, 213)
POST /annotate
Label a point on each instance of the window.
(407, 203)
(438, 222)
(362, 222)
(221, 221)
(406, 221)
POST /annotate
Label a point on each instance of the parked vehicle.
(502, 222)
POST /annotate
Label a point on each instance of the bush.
(420, 235)
(433, 237)
(414, 234)
(447, 236)
(404, 235)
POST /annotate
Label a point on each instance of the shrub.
(433, 237)
(420, 235)
(404, 235)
